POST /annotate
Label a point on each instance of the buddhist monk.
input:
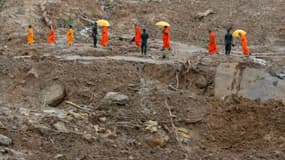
(212, 47)
(51, 38)
(69, 36)
(30, 38)
(244, 44)
(138, 32)
(166, 38)
(104, 40)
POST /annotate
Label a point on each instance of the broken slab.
(226, 79)
(259, 84)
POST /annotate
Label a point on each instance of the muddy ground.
(191, 123)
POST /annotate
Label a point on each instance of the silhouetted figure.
(94, 34)
(228, 42)
(144, 38)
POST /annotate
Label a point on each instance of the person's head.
(95, 24)
(50, 26)
(144, 30)
(229, 29)
(70, 26)
(209, 31)
(30, 26)
(165, 26)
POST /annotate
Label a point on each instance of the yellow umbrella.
(103, 22)
(237, 32)
(162, 23)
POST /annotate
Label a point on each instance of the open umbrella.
(103, 22)
(237, 32)
(162, 23)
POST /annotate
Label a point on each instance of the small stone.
(102, 119)
(33, 72)
(59, 156)
(87, 137)
(155, 141)
(60, 126)
(5, 141)
(116, 98)
(151, 126)
(2, 126)
(131, 157)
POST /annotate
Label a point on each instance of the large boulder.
(116, 98)
(54, 94)
(259, 84)
(226, 79)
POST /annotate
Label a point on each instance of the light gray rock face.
(252, 83)
(258, 84)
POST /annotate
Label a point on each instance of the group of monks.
(139, 37)
(213, 49)
(52, 38)
(142, 37)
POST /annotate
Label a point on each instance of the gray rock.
(116, 98)
(259, 84)
(5, 141)
(54, 94)
(60, 126)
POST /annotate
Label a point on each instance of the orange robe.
(104, 40)
(69, 36)
(30, 38)
(244, 44)
(138, 36)
(51, 38)
(166, 38)
(212, 47)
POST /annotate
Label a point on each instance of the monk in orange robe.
(244, 44)
(69, 36)
(104, 40)
(30, 38)
(212, 47)
(166, 38)
(138, 35)
(51, 38)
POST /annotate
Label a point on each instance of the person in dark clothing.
(144, 38)
(94, 34)
(228, 42)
